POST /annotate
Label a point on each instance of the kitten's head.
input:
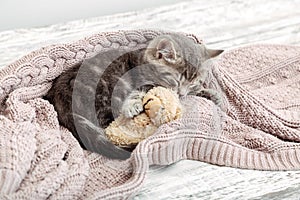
(180, 62)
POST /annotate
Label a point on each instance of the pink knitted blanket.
(257, 128)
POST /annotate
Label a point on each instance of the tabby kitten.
(88, 96)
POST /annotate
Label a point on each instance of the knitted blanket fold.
(257, 126)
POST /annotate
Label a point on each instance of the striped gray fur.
(88, 96)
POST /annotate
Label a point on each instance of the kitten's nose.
(183, 91)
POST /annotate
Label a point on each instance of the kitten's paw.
(132, 108)
(133, 105)
(212, 95)
(217, 99)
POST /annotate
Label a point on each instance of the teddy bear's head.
(161, 105)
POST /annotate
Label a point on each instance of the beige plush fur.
(161, 105)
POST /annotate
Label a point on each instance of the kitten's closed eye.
(195, 87)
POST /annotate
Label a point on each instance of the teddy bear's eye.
(145, 104)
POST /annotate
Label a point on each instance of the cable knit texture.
(257, 126)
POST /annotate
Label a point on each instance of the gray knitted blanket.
(257, 128)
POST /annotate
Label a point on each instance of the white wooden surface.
(222, 24)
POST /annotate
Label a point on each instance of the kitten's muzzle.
(183, 91)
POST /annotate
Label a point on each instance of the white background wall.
(34, 13)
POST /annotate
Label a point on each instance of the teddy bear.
(161, 105)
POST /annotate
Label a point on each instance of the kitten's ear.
(165, 50)
(214, 52)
